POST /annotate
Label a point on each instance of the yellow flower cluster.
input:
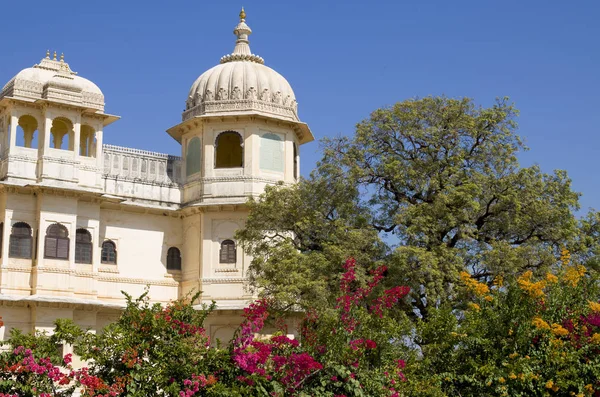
(565, 257)
(589, 388)
(473, 285)
(551, 278)
(594, 306)
(499, 281)
(550, 385)
(573, 274)
(596, 338)
(535, 290)
(474, 306)
(540, 324)
(558, 330)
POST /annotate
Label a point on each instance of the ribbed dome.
(241, 84)
(55, 81)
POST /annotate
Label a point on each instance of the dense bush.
(529, 335)
(354, 349)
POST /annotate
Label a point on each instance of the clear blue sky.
(343, 59)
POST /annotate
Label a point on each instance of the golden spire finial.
(242, 15)
(47, 54)
(62, 57)
(55, 55)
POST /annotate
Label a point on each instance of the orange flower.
(559, 330)
(594, 306)
(540, 324)
(473, 285)
(535, 290)
(573, 274)
(551, 278)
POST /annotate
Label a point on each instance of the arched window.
(20, 241)
(229, 150)
(61, 128)
(192, 157)
(109, 252)
(227, 253)
(26, 131)
(56, 244)
(83, 246)
(271, 152)
(173, 259)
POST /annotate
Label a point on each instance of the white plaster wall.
(142, 242)
(224, 283)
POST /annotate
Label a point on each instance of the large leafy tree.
(441, 176)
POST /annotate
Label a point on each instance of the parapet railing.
(141, 165)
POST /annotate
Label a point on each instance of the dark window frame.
(57, 244)
(19, 241)
(228, 252)
(83, 246)
(105, 253)
(173, 259)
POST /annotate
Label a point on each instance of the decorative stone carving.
(264, 95)
(222, 94)
(236, 93)
(251, 93)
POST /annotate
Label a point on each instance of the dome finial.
(62, 57)
(47, 54)
(54, 56)
(242, 15)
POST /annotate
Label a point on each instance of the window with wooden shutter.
(173, 259)
(20, 241)
(83, 246)
(56, 243)
(227, 254)
(109, 253)
(229, 150)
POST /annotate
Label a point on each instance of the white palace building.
(82, 220)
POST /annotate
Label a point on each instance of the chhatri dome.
(54, 80)
(242, 84)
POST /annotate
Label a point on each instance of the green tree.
(441, 175)
(300, 235)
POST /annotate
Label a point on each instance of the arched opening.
(109, 253)
(173, 259)
(87, 141)
(83, 246)
(271, 152)
(192, 157)
(296, 162)
(62, 134)
(56, 243)
(227, 253)
(229, 148)
(20, 241)
(26, 132)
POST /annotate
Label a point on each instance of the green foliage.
(442, 176)
(526, 338)
(300, 235)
